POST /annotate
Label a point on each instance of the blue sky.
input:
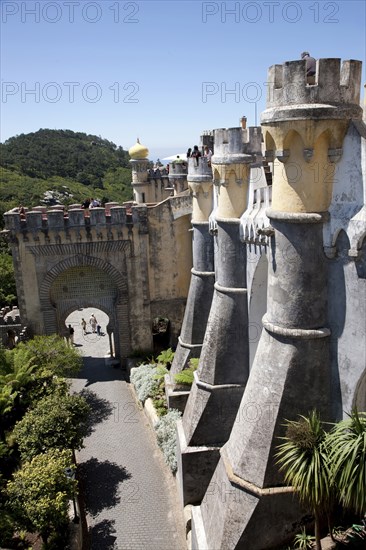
(159, 70)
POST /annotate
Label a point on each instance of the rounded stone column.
(178, 176)
(224, 362)
(203, 276)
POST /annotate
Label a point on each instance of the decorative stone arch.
(291, 136)
(336, 235)
(269, 140)
(361, 240)
(113, 300)
(342, 244)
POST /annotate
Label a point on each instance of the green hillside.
(61, 166)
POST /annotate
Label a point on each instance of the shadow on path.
(101, 536)
(99, 484)
(95, 370)
(100, 409)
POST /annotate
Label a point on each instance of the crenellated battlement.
(335, 84)
(75, 220)
(236, 145)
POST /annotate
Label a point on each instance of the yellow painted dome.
(138, 151)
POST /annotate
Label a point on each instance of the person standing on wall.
(310, 67)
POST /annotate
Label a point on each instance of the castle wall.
(170, 259)
(144, 253)
(345, 246)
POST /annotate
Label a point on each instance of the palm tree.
(302, 456)
(346, 444)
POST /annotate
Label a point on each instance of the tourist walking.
(93, 322)
(83, 325)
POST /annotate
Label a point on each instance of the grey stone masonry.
(224, 362)
(334, 84)
(178, 175)
(292, 372)
(74, 219)
(202, 279)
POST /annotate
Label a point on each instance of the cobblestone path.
(130, 497)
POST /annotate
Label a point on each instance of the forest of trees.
(46, 153)
(72, 164)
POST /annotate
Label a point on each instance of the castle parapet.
(335, 85)
(199, 170)
(236, 145)
(55, 219)
(41, 221)
(178, 169)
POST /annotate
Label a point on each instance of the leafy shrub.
(143, 378)
(149, 382)
(166, 437)
(51, 354)
(304, 541)
(166, 357)
(57, 421)
(186, 376)
(346, 444)
(40, 491)
(159, 399)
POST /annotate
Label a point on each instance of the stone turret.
(309, 122)
(304, 128)
(203, 275)
(178, 175)
(140, 164)
(224, 361)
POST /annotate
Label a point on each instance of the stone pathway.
(130, 497)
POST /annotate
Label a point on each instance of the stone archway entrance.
(76, 284)
(83, 287)
(95, 342)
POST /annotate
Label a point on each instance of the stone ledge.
(150, 412)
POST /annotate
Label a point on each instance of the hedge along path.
(130, 497)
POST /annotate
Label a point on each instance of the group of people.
(90, 203)
(196, 154)
(95, 328)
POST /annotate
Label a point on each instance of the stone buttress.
(203, 275)
(246, 504)
(224, 361)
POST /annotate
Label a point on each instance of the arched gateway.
(84, 281)
(133, 264)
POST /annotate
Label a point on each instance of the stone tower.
(202, 273)
(304, 127)
(178, 176)
(224, 362)
(139, 164)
